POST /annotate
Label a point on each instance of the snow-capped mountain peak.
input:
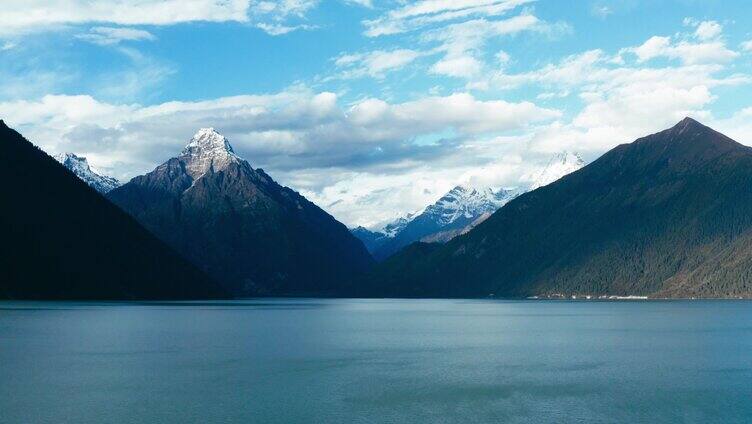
(80, 166)
(468, 202)
(558, 166)
(393, 227)
(207, 150)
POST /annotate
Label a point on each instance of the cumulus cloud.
(291, 134)
(686, 51)
(708, 30)
(704, 45)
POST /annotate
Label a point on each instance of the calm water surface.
(376, 361)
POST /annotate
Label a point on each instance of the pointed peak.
(207, 150)
(687, 124)
(688, 121)
(69, 155)
(71, 158)
(208, 140)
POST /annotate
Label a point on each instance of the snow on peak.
(80, 166)
(207, 150)
(468, 202)
(393, 227)
(558, 166)
(71, 161)
(208, 141)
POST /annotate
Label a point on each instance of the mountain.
(452, 213)
(394, 227)
(446, 235)
(457, 212)
(378, 236)
(80, 166)
(559, 165)
(62, 240)
(241, 227)
(667, 215)
(372, 240)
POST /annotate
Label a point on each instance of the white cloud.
(106, 36)
(275, 17)
(282, 16)
(686, 51)
(463, 43)
(375, 63)
(419, 14)
(460, 66)
(280, 29)
(456, 30)
(738, 126)
(364, 3)
(655, 46)
(746, 46)
(708, 30)
(34, 15)
(304, 139)
(626, 96)
(461, 112)
(704, 45)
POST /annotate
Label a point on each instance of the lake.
(376, 361)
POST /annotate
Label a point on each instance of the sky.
(371, 109)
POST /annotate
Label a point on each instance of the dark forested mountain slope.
(241, 227)
(667, 215)
(62, 240)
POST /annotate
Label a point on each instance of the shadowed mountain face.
(241, 227)
(62, 240)
(667, 215)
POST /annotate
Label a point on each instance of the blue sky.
(371, 108)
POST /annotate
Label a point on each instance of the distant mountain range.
(63, 240)
(80, 166)
(667, 215)
(457, 212)
(241, 227)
